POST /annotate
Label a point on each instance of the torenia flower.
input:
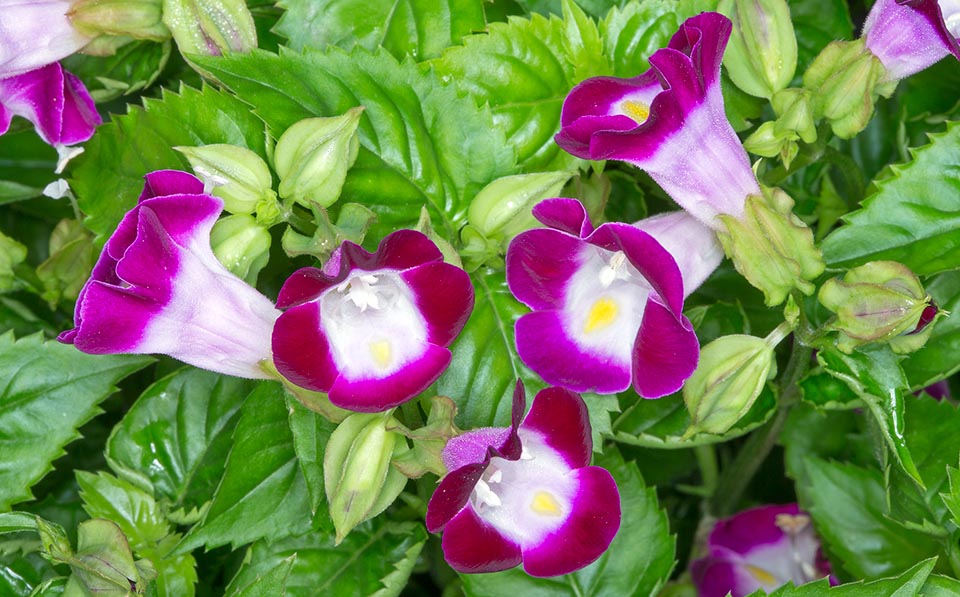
(760, 548)
(910, 35)
(157, 287)
(524, 493)
(670, 122)
(607, 302)
(35, 33)
(372, 329)
(55, 101)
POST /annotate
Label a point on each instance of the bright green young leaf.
(485, 366)
(419, 139)
(825, 391)
(49, 391)
(913, 216)
(269, 584)
(174, 440)
(938, 357)
(938, 585)
(12, 191)
(582, 43)
(661, 423)
(631, 34)
(142, 141)
(262, 493)
(638, 561)
(375, 559)
(418, 28)
(848, 505)
(310, 435)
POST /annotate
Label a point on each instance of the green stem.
(707, 460)
(737, 476)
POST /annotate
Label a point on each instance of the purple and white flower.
(760, 548)
(910, 35)
(607, 302)
(35, 33)
(372, 329)
(525, 493)
(158, 288)
(670, 122)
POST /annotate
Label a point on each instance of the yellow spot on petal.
(602, 314)
(638, 111)
(381, 353)
(761, 575)
(544, 503)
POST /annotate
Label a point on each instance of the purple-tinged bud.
(210, 27)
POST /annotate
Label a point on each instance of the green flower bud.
(210, 27)
(238, 176)
(241, 245)
(771, 247)
(795, 113)
(357, 475)
(844, 82)
(761, 56)
(139, 19)
(730, 376)
(502, 209)
(312, 157)
(880, 301)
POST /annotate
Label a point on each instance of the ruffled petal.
(540, 263)
(562, 420)
(666, 352)
(566, 215)
(452, 495)
(444, 296)
(472, 447)
(54, 101)
(161, 183)
(113, 320)
(593, 522)
(301, 351)
(471, 546)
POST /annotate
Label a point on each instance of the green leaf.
(849, 507)
(134, 66)
(269, 584)
(49, 391)
(311, 432)
(638, 561)
(521, 69)
(418, 28)
(633, 32)
(907, 584)
(817, 23)
(826, 392)
(375, 559)
(913, 216)
(174, 440)
(142, 141)
(940, 586)
(485, 366)
(938, 358)
(15, 522)
(812, 433)
(661, 423)
(418, 138)
(263, 493)
(12, 191)
(12, 254)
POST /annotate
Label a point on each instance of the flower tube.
(607, 302)
(157, 288)
(760, 548)
(372, 330)
(907, 36)
(35, 33)
(525, 493)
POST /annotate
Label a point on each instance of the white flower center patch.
(604, 304)
(951, 16)
(636, 105)
(373, 324)
(526, 499)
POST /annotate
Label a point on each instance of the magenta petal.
(54, 101)
(666, 353)
(303, 285)
(543, 345)
(114, 320)
(753, 528)
(405, 249)
(444, 295)
(704, 37)
(594, 521)
(301, 351)
(80, 116)
(471, 546)
(718, 577)
(187, 219)
(451, 496)
(375, 395)
(540, 262)
(160, 183)
(566, 215)
(472, 446)
(561, 418)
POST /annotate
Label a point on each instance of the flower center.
(363, 291)
(602, 314)
(638, 111)
(762, 575)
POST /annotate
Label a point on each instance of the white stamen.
(485, 496)
(525, 454)
(65, 153)
(496, 477)
(614, 269)
(211, 179)
(361, 291)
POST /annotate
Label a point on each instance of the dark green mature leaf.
(817, 23)
(874, 374)
(21, 573)
(376, 559)
(485, 366)
(311, 432)
(132, 68)
(142, 141)
(421, 143)
(48, 391)
(849, 507)
(174, 440)
(521, 70)
(638, 561)
(938, 357)
(940, 586)
(661, 423)
(913, 217)
(262, 493)
(419, 28)
(269, 584)
(827, 392)
(904, 585)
